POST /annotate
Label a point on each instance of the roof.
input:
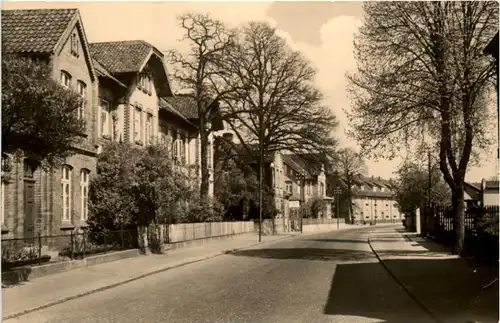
(34, 31)
(186, 105)
(101, 71)
(492, 47)
(491, 184)
(288, 160)
(306, 162)
(122, 56)
(167, 107)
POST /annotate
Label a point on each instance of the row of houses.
(127, 97)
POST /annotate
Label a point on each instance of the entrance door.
(29, 209)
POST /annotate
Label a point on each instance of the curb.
(413, 297)
(128, 280)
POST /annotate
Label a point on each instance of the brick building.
(37, 201)
(127, 97)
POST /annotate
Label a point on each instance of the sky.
(322, 31)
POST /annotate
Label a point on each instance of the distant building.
(374, 200)
(485, 193)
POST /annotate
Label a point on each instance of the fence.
(480, 224)
(307, 221)
(41, 249)
(194, 231)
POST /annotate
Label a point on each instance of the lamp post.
(337, 192)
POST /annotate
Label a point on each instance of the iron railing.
(40, 249)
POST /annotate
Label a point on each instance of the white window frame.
(137, 124)
(65, 79)
(104, 109)
(84, 194)
(66, 196)
(288, 186)
(149, 129)
(81, 89)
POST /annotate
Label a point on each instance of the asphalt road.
(331, 277)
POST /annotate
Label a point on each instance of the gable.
(64, 46)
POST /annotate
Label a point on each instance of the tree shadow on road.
(446, 287)
(364, 290)
(338, 240)
(315, 254)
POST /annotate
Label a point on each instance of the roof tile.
(185, 105)
(34, 31)
(121, 56)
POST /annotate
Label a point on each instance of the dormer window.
(75, 44)
(145, 83)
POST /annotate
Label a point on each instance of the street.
(329, 277)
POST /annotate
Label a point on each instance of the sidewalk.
(451, 288)
(50, 290)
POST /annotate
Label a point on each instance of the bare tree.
(349, 164)
(421, 66)
(273, 103)
(209, 39)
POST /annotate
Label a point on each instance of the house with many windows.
(374, 201)
(36, 201)
(128, 98)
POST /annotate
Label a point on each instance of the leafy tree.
(135, 188)
(111, 206)
(349, 165)
(421, 68)
(270, 99)
(237, 186)
(39, 116)
(209, 39)
(412, 187)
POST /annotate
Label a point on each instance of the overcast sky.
(323, 31)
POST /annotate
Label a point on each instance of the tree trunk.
(459, 220)
(204, 185)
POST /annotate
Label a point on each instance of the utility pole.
(261, 172)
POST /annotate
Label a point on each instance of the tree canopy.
(208, 41)
(39, 116)
(421, 69)
(269, 96)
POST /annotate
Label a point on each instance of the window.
(149, 129)
(382, 189)
(81, 89)
(288, 186)
(75, 44)
(374, 188)
(65, 79)
(66, 193)
(84, 193)
(321, 189)
(105, 118)
(29, 168)
(137, 124)
(298, 189)
(362, 188)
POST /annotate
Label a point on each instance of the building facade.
(127, 97)
(374, 201)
